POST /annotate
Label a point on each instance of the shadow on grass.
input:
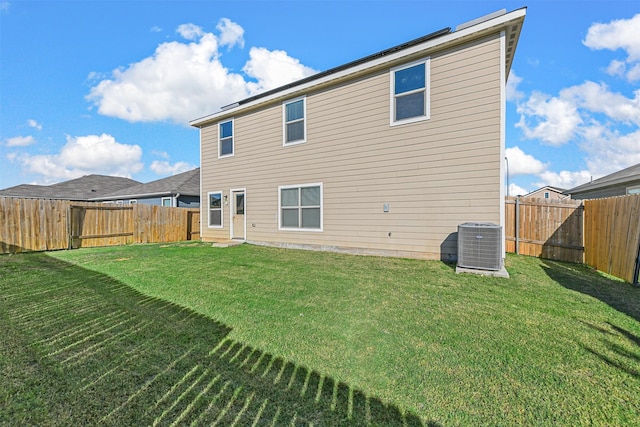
(108, 354)
(621, 296)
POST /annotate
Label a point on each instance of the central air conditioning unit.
(480, 246)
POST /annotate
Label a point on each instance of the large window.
(294, 121)
(301, 207)
(225, 139)
(215, 209)
(410, 93)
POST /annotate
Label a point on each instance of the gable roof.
(83, 188)
(546, 187)
(185, 184)
(630, 174)
(510, 23)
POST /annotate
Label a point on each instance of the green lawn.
(187, 334)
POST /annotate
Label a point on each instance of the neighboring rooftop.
(624, 176)
(79, 189)
(185, 184)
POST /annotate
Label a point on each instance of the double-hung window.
(295, 127)
(410, 93)
(225, 138)
(300, 207)
(215, 209)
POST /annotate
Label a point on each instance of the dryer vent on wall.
(480, 246)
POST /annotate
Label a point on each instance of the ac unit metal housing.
(480, 246)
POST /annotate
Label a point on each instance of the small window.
(546, 195)
(225, 139)
(166, 201)
(133, 201)
(410, 93)
(215, 209)
(294, 122)
(633, 190)
(301, 207)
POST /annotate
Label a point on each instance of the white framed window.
(225, 138)
(215, 209)
(410, 92)
(294, 118)
(166, 201)
(300, 207)
(133, 201)
(633, 190)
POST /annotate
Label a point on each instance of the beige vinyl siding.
(435, 174)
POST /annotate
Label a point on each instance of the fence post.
(636, 271)
(517, 215)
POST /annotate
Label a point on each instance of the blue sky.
(108, 87)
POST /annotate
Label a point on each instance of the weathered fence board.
(40, 225)
(545, 228)
(612, 235)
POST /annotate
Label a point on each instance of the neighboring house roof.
(486, 24)
(628, 175)
(185, 184)
(83, 188)
(546, 188)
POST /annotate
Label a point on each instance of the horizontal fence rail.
(43, 225)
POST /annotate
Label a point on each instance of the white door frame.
(232, 208)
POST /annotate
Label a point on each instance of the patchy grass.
(188, 334)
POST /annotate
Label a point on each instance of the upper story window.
(225, 138)
(546, 195)
(410, 93)
(295, 126)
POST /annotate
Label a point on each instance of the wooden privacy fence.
(603, 233)
(612, 236)
(551, 229)
(41, 225)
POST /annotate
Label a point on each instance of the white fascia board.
(429, 44)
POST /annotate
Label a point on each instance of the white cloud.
(597, 98)
(551, 119)
(84, 155)
(618, 34)
(190, 31)
(516, 190)
(231, 34)
(521, 163)
(272, 69)
(20, 141)
(155, 29)
(512, 87)
(161, 154)
(564, 179)
(616, 68)
(166, 168)
(32, 123)
(183, 81)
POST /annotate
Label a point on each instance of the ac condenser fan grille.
(480, 246)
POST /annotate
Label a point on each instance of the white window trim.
(209, 209)
(233, 138)
(427, 102)
(284, 187)
(633, 187)
(166, 198)
(284, 121)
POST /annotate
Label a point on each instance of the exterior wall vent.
(480, 246)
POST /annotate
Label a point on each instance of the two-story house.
(387, 154)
